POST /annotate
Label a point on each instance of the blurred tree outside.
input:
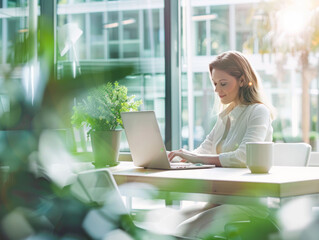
(290, 27)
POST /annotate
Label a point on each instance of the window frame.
(48, 16)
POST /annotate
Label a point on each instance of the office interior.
(169, 44)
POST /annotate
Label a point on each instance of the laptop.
(146, 143)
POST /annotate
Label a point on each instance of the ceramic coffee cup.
(259, 156)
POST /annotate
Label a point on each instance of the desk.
(281, 182)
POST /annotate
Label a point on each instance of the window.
(213, 27)
(15, 29)
(126, 32)
(133, 31)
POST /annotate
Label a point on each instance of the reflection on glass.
(130, 24)
(216, 28)
(115, 31)
(219, 35)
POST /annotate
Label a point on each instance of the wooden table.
(226, 184)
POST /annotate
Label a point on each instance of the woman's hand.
(194, 157)
(184, 154)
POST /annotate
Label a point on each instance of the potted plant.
(101, 111)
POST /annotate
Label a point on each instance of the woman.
(245, 118)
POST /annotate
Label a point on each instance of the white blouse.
(248, 123)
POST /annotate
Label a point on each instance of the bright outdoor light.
(293, 20)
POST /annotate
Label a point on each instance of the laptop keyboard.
(182, 165)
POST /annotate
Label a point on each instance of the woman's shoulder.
(259, 108)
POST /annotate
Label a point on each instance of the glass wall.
(216, 27)
(133, 31)
(122, 31)
(14, 30)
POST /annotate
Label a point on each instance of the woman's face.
(226, 86)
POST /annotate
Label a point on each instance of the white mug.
(259, 156)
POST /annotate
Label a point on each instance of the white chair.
(291, 154)
(109, 214)
(98, 186)
(314, 159)
(98, 189)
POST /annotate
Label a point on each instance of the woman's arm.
(195, 157)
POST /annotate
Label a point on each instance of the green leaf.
(101, 110)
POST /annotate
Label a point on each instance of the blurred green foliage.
(27, 194)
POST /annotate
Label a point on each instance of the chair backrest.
(98, 186)
(291, 154)
(314, 159)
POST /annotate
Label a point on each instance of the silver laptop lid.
(145, 140)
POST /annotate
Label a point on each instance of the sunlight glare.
(293, 20)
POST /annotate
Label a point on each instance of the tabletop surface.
(279, 182)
